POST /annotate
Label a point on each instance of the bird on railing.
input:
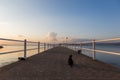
(1, 46)
(21, 58)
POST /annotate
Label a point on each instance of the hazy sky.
(35, 19)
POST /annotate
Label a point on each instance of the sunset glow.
(76, 19)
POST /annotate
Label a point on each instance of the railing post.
(94, 52)
(44, 46)
(38, 47)
(75, 46)
(25, 48)
(81, 46)
(48, 45)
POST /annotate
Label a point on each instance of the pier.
(52, 65)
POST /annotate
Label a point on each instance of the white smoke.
(20, 36)
(51, 36)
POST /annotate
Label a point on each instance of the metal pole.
(38, 47)
(25, 48)
(94, 53)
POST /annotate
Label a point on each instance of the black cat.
(70, 61)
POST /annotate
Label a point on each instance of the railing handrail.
(25, 46)
(93, 49)
(11, 40)
(102, 40)
(16, 51)
(81, 42)
(18, 40)
(102, 51)
(105, 40)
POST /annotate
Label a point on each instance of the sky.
(57, 19)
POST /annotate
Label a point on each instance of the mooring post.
(38, 47)
(94, 52)
(25, 48)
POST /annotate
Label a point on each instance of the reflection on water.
(107, 58)
(13, 57)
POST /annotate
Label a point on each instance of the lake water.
(6, 59)
(104, 57)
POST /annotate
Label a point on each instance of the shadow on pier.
(52, 65)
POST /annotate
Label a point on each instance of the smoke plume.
(52, 36)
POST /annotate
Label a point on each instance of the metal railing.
(47, 45)
(93, 45)
(25, 42)
(94, 50)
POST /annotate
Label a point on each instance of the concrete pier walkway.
(52, 65)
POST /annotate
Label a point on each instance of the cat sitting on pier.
(70, 61)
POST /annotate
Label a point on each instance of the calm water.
(13, 57)
(107, 58)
